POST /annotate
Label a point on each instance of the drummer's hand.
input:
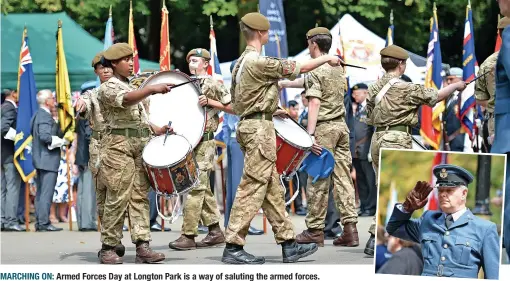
(161, 88)
(203, 100)
(335, 61)
(164, 129)
(80, 105)
(316, 149)
(281, 113)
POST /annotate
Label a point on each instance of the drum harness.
(379, 98)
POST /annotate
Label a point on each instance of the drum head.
(292, 132)
(179, 106)
(157, 154)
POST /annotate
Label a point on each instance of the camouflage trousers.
(334, 136)
(260, 185)
(94, 168)
(127, 189)
(200, 202)
(387, 139)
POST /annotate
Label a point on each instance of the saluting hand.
(203, 100)
(418, 197)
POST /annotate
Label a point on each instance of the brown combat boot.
(214, 238)
(144, 254)
(107, 255)
(349, 237)
(183, 243)
(311, 236)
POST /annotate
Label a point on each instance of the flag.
(109, 37)
(430, 122)
(132, 40)
(63, 90)
(467, 99)
(433, 203)
(389, 35)
(26, 109)
(164, 45)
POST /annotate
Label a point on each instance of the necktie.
(358, 112)
(449, 221)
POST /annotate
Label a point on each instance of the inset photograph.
(440, 214)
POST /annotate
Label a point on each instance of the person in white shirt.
(454, 242)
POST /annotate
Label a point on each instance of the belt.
(208, 136)
(454, 135)
(336, 119)
(259, 116)
(96, 135)
(131, 133)
(400, 128)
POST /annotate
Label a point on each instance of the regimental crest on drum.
(137, 80)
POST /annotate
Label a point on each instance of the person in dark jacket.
(406, 259)
(10, 177)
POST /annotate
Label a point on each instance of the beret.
(360, 86)
(199, 52)
(88, 85)
(118, 51)
(455, 71)
(452, 176)
(504, 22)
(317, 31)
(97, 59)
(395, 51)
(256, 21)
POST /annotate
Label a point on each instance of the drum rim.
(291, 143)
(193, 145)
(166, 166)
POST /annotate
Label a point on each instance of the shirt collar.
(13, 103)
(46, 109)
(364, 103)
(458, 214)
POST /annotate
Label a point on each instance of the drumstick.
(478, 77)
(167, 131)
(351, 65)
(184, 83)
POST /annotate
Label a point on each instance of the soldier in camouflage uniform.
(254, 93)
(89, 107)
(392, 107)
(200, 202)
(325, 88)
(126, 132)
(485, 88)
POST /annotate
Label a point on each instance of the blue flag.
(277, 45)
(390, 36)
(108, 38)
(26, 109)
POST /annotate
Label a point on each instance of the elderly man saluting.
(455, 243)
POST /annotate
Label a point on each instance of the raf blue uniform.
(502, 119)
(460, 250)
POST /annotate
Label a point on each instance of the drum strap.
(385, 89)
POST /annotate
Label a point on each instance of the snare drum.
(293, 144)
(170, 165)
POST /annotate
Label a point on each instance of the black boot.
(292, 251)
(235, 254)
(369, 247)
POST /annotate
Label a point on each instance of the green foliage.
(403, 169)
(189, 22)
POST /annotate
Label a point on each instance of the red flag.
(132, 40)
(164, 46)
(433, 203)
(498, 43)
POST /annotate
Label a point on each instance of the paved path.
(76, 247)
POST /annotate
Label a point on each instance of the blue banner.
(273, 10)
(26, 109)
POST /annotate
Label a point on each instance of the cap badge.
(443, 174)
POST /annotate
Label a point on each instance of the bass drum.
(180, 106)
